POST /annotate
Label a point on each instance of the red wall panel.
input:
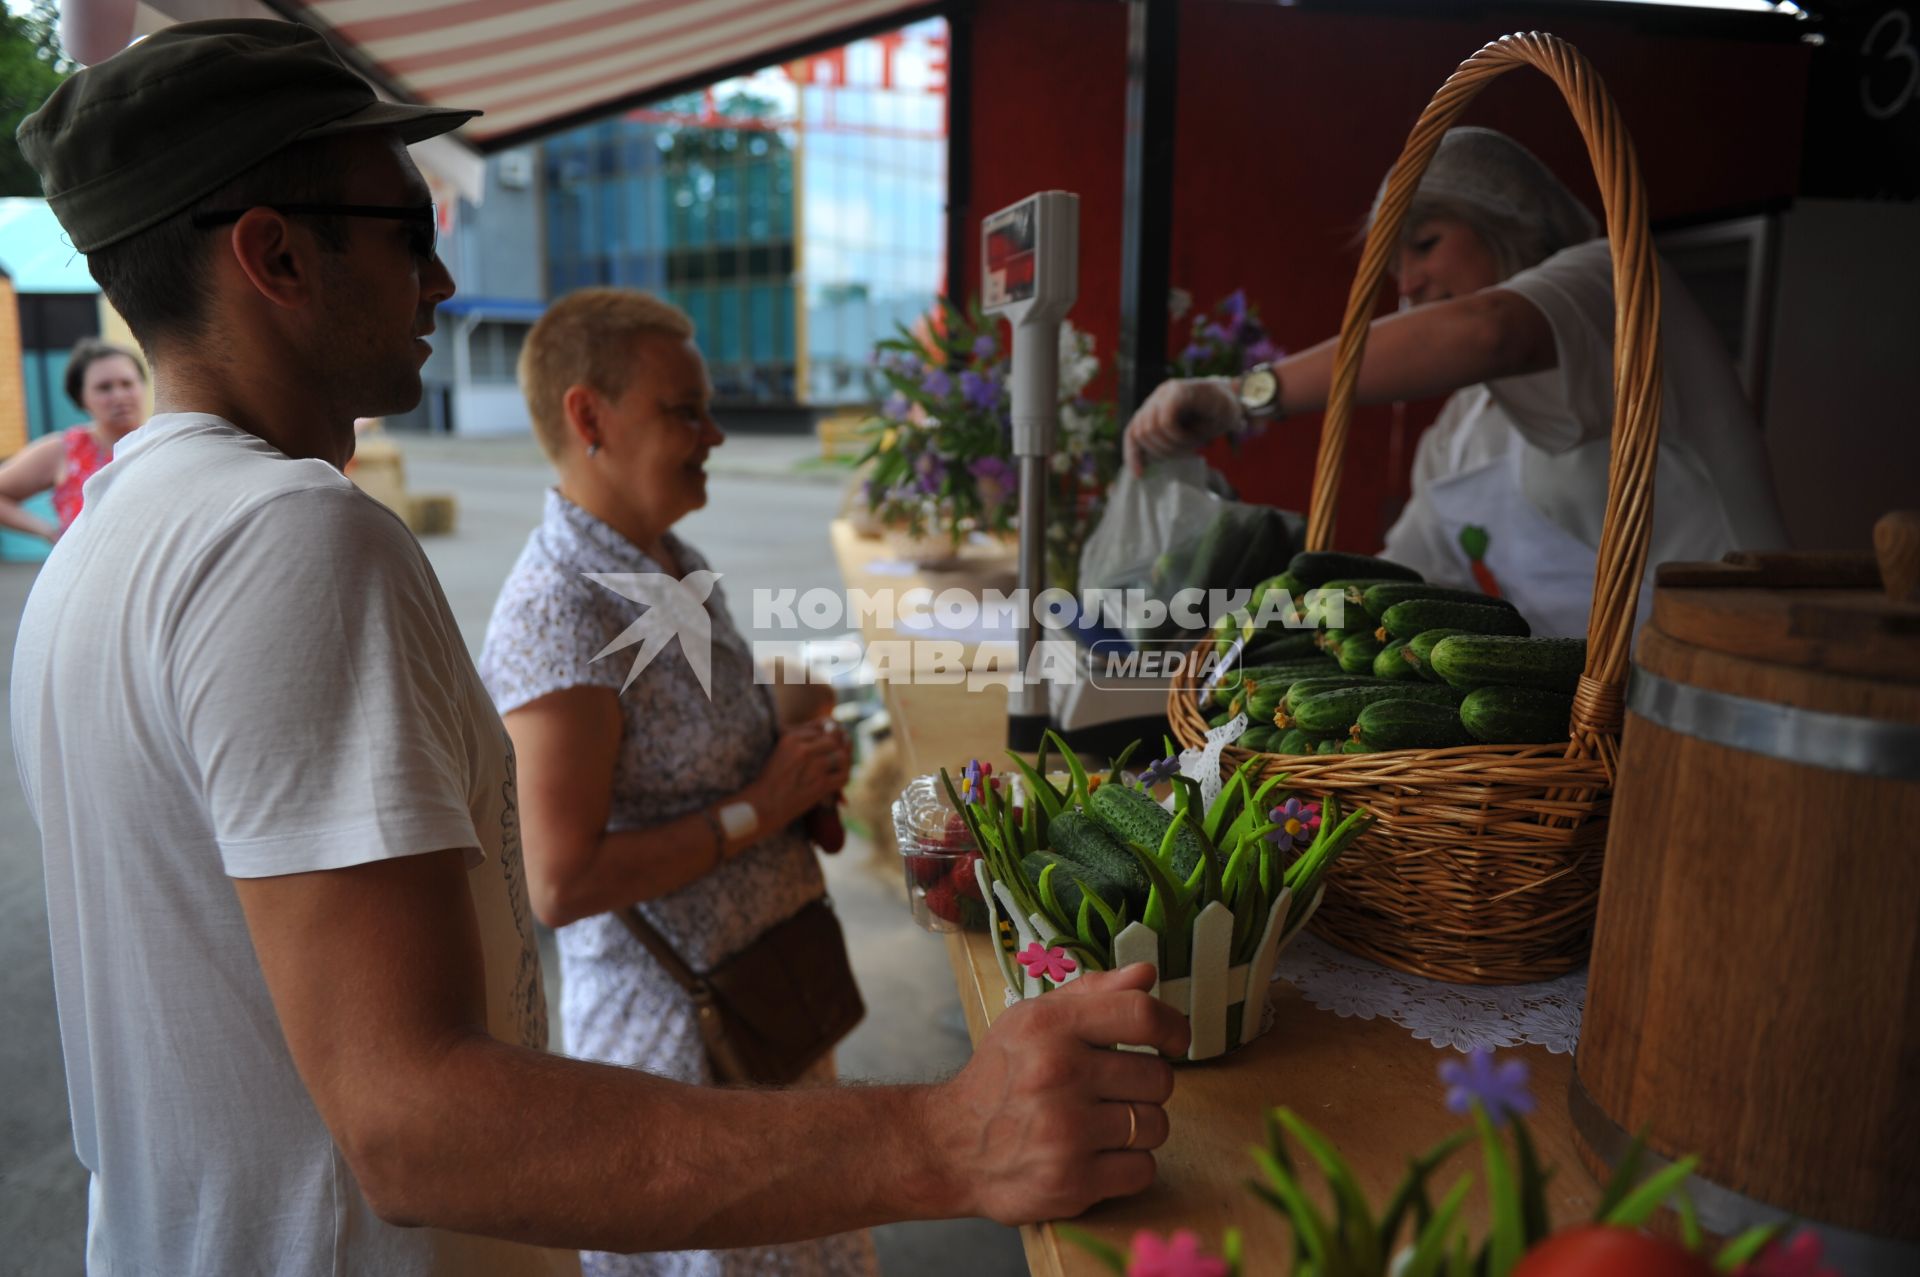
(1288, 120)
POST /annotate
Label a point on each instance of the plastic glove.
(1181, 417)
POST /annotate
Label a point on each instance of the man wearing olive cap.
(299, 994)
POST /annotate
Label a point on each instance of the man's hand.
(1036, 1125)
(1180, 417)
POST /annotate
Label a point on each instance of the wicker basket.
(1484, 865)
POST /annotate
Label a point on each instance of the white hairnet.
(1512, 199)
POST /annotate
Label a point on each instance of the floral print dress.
(680, 751)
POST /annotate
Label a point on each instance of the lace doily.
(1462, 1016)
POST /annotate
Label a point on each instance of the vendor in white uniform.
(1507, 303)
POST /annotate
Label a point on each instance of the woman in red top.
(109, 384)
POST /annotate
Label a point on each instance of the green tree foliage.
(31, 67)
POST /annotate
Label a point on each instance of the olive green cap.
(127, 143)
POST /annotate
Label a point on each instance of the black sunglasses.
(423, 229)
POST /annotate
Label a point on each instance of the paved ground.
(766, 525)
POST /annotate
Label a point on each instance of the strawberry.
(954, 834)
(926, 870)
(964, 877)
(943, 901)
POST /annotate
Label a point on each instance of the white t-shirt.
(237, 665)
(1713, 491)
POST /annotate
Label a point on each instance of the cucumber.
(1068, 879)
(1404, 620)
(1221, 719)
(1390, 664)
(1330, 640)
(1357, 653)
(1419, 651)
(1314, 686)
(1258, 739)
(1137, 818)
(1295, 741)
(1082, 840)
(1406, 724)
(1337, 710)
(1280, 646)
(1480, 660)
(1517, 715)
(1328, 746)
(1379, 598)
(1316, 567)
(1228, 628)
(1291, 671)
(1355, 747)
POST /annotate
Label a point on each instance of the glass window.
(694, 301)
(783, 323)
(760, 304)
(759, 201)
(726, 205)
(725, 344)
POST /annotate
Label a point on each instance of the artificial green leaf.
(1362, 1242)
(1536, 1223)
(1106, 1254)
(1508, 1239)
(1413, 1185)
(1049, 798)
(1623, 1178)
(1690, 1234)
(1308, 1224)
(1746, 1247)
(1637, 1207)
(1115, 772)
(1430, 1246)
(1055, 912)
(1074, 768)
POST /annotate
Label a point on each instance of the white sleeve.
(320, 692)
(1572, 403)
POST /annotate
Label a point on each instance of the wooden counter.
(1369, 1085)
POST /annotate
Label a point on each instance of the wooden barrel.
(1754, 995)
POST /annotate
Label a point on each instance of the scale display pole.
(1030, 273)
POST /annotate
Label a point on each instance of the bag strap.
(656, 944)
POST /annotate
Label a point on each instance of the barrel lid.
(1852, 614)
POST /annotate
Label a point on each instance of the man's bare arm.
(375, 972)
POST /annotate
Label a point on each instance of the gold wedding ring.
(1133, 1127)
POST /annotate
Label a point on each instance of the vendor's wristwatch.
(1260, 393)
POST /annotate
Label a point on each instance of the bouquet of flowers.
(941, 450)
(1226, 341)
(1354, 1241)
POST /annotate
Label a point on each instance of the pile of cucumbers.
(1407, 666)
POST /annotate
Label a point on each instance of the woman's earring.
(593, 449)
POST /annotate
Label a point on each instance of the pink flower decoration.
(1798, 1258)
(1178, 1256)
(1052, 963)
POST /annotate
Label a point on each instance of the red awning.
(534, 65)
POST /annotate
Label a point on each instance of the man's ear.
(276, 257)
(581, 407)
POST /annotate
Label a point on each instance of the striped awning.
(537, 65)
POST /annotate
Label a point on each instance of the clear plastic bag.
(1165, 536)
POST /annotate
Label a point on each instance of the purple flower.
(973, 780)
(901, 362)
(1263, 352)
(1089, 468)
(1499, 1088)
(995, 480)
(1160, 772)
(1235, 305)
(1298, 822)
(1194, 353)
(937, 383)
(896, 406)
(985, 347)
(932, 470)
(981, 392)
(1218, 334)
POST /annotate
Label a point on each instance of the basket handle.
(1627, 526)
